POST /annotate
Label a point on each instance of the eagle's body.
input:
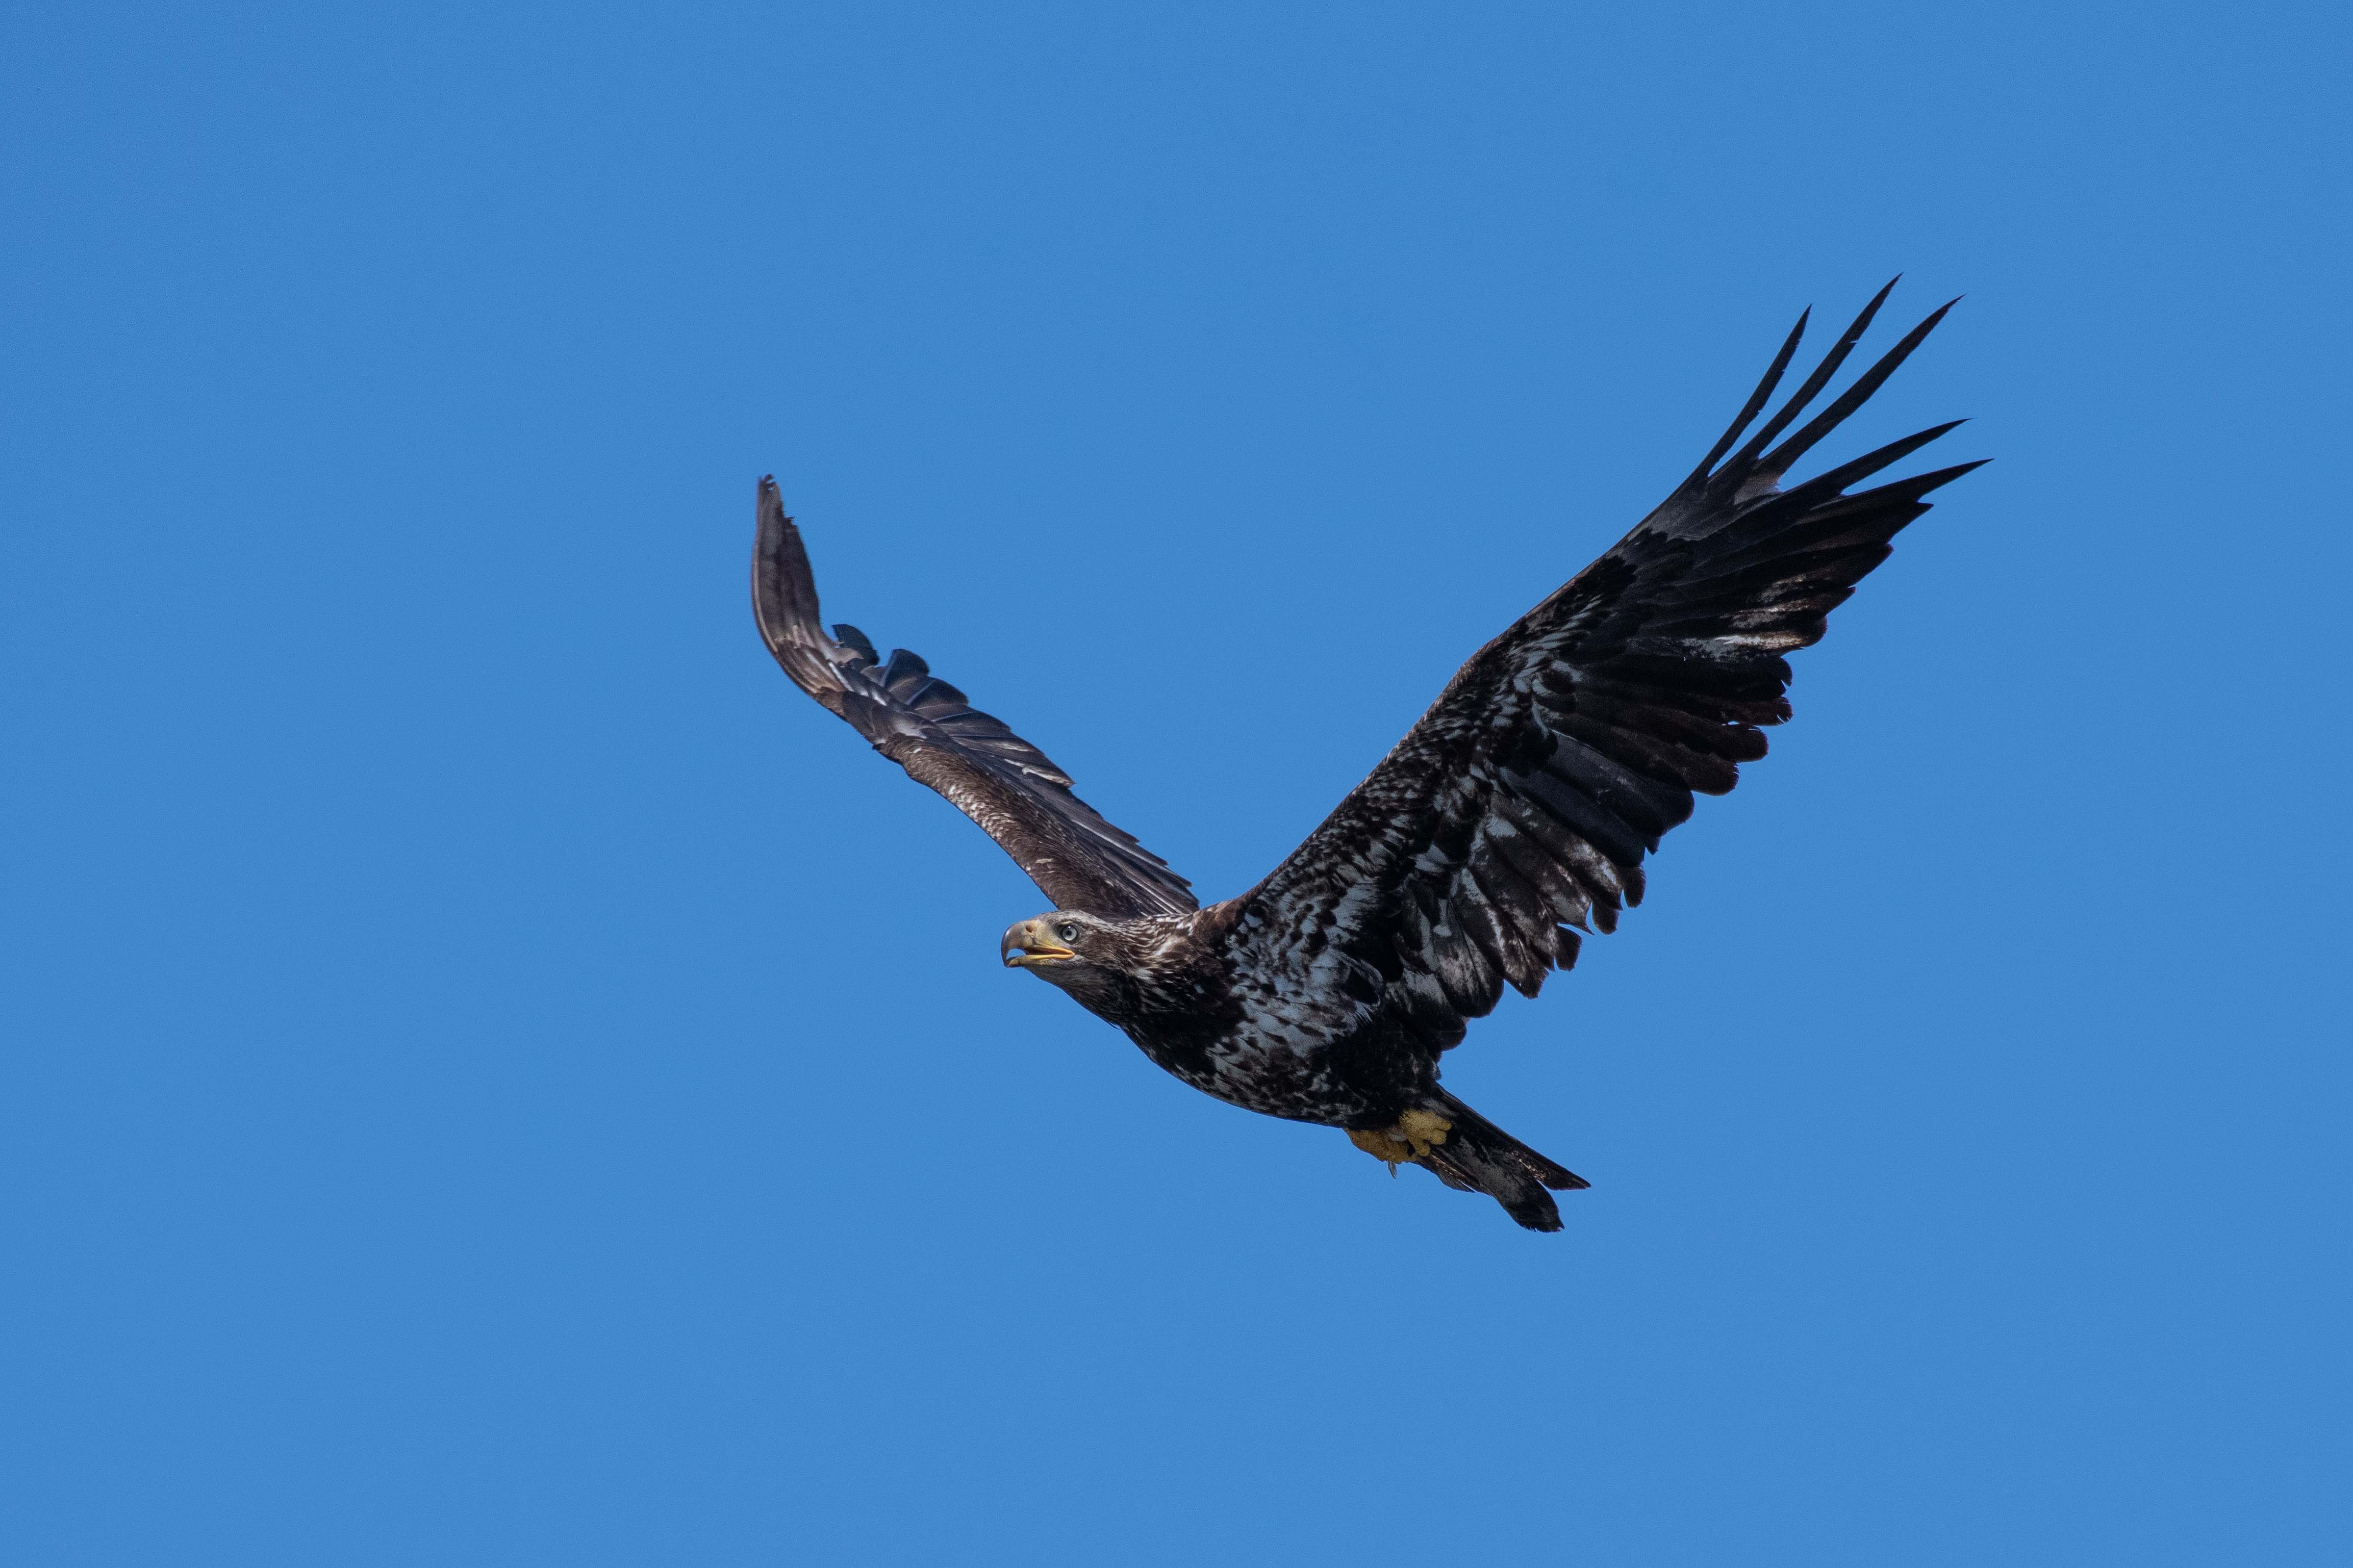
(1520, 806)
(1172, 984)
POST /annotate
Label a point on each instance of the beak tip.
(1025, 948)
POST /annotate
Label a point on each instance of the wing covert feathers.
(1517, 811)
(926, 726)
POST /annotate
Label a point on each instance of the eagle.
(1512, 819)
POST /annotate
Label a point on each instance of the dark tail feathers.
(1480, 1157)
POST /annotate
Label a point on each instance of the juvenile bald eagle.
(1513, 816)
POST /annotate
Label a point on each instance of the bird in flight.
(1513, 816)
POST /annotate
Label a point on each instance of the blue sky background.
(494, 1076)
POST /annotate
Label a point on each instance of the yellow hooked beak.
(1028, 945)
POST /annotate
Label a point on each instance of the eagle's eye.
(1067, 931)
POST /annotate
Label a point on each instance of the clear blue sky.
(492, 1075)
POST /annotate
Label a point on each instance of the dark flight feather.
(1583, 731)
(926, 726)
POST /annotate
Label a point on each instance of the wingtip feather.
(1757, 399)
(1745, 461)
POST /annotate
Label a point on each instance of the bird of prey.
(1512, 817)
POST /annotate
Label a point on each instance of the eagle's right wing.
(923, 724)
(1524, 802)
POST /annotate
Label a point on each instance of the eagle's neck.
(1161, 968)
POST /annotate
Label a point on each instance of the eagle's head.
(1097, 961)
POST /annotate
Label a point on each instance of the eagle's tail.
(1478, 1156)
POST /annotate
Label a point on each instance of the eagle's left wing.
(1524, 801)
(923, 724)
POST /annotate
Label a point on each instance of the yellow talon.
(1415, 1135)
(1425, 1129)
(1381, 1146)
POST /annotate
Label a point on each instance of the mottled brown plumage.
(1514, 815)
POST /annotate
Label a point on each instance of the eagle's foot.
(1417, 1132)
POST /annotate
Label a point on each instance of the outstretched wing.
(923, 724)
(1522, 801)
